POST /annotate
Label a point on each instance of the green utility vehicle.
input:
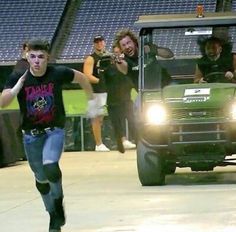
(182, 123)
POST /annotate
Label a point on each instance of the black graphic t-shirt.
(40, 99)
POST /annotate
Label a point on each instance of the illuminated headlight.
(156, 114)
(233, 111)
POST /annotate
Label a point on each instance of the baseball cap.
(98, 38)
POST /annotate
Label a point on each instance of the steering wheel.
(216, 77)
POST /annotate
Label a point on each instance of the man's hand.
(118, 58)
(202, 80)
(154, 50)
(150, 49)
(229, 75)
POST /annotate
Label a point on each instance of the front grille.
(199, 113)
(198, 133)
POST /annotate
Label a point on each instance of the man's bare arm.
(198, 77)
(83, 81)
(88, 70)
(8, 95)
(6, 98)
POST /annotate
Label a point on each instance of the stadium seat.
(105, 17)
(23, 19)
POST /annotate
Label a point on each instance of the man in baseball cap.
(98, 38)
(91, 70)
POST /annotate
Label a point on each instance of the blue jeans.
(42, 150)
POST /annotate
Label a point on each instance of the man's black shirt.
(118, 85)
(222, 64)
(40, 99)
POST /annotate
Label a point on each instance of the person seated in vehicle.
(217, 63)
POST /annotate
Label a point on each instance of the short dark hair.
(122, 34)
(38, 44)
(214, 40)
(226, 45)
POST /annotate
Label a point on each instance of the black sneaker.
(59, 208)
(54, 225)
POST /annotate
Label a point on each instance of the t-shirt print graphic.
(40, 103)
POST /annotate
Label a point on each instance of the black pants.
(118, 113)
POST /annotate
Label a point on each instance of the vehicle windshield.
(201, 54)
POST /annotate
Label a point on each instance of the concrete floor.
(103, 194)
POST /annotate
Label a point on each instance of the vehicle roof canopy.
(182, 20)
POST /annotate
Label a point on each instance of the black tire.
(150, 166)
